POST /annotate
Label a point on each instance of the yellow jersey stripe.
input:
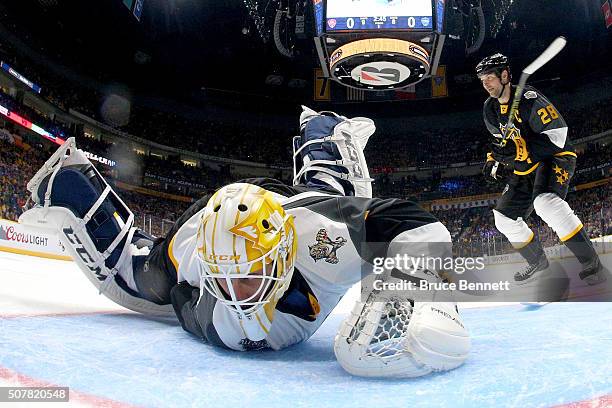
(522, 173)
(566, 154)
(171, 254)
(261, 324)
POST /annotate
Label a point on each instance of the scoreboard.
(135, 6)
(366, 15)
(379, 44)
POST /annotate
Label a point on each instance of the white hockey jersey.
(331, 230)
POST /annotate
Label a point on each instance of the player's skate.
(537, 262)
(329, 152)
(593, 273)
(581, 246)
(531, 272)
(72, 199)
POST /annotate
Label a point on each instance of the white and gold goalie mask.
(246, 245)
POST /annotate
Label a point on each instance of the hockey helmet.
(245, 237)
(495, 63)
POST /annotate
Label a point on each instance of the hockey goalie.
(261, 264)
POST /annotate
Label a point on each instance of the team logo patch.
(251, 345)
(325, 248)
(530, 95)
(562, 175)
(511, 133)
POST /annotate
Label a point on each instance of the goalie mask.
(246, 245)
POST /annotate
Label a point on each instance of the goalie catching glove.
(390, 337)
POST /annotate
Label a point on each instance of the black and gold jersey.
(539, 133)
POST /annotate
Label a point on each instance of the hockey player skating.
(538, 153)
(260, 264)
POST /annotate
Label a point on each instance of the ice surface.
(520, 357)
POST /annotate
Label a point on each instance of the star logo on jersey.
(563, 175)
(563, 178)
(325, 248)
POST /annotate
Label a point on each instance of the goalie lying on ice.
(260, 264)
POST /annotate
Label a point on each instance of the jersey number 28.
(547, 114)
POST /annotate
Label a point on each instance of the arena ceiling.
(191, 45)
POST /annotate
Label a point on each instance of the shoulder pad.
(530, 95)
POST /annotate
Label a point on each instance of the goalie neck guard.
(246, 240)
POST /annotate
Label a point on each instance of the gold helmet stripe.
(244, 192)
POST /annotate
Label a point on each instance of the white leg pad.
(350, 138)
(73, 234)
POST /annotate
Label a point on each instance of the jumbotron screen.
(376, 15)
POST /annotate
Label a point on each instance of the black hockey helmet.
(495, 63)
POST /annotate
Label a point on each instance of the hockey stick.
(549, 53)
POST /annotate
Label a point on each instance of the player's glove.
(492, 169)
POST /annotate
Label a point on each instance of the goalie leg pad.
(78, 189)
(72, 199)
(329, 153)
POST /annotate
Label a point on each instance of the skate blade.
(595, 279)
(531, 279)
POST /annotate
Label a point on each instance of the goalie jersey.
(541, 131)
(330, 232)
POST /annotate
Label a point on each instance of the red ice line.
(60, 314)
(75, 396)
(604, 401)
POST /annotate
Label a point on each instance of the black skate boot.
(592, 271)
(593, 274)
(536, 262)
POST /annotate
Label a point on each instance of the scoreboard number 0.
(411, 22)
(350, 23)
